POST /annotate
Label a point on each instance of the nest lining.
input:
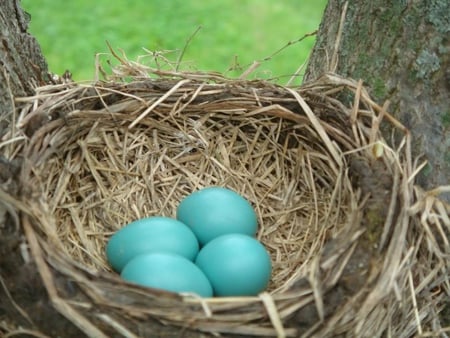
(330, 194)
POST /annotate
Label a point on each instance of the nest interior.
(337, 206)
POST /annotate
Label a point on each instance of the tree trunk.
(22, 65)
(401, 51)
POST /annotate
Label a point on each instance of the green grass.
(72, 32)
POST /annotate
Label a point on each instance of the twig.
(188, 41)
(337, 43)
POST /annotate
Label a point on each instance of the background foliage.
(233, 33)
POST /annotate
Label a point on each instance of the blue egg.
(216, 211)
(168, 272)
(236, 265)
(152, 234)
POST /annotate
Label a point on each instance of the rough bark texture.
(401, 51)
(22, 65)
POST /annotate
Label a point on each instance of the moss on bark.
(401, 52)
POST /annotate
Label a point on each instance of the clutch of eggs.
(209, 249)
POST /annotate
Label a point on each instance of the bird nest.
(357, 249)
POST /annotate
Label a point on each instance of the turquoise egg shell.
(167, 271)
(152, 234)
(216, 211)
(236, 265)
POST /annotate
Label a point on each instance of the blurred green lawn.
(72, 32)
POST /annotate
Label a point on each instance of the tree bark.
(401, 51)
(22, 65)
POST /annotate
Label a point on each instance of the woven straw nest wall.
(357, 248)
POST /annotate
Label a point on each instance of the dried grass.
(357, 248)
